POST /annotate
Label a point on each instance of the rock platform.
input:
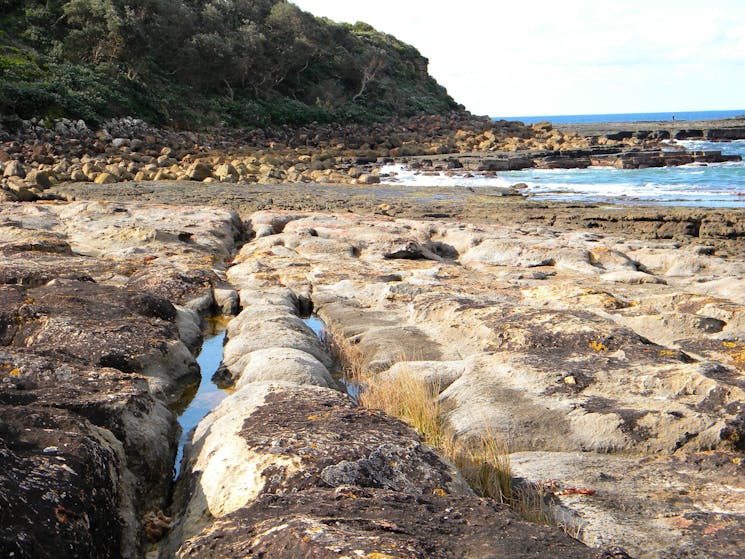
(611, 366)
(101, 305)
(604, 346)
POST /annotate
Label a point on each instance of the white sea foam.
(401, 175)
(712, 185)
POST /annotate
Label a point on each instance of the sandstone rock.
(21, 190)
(278, 331)
(78, 175)
(280, 438)
(226, 172)
(198, 171)
(63, 307)
(439, 374)
(557, 361)
(105, 178)
(633, 278)
(39, 178)
(374, 523)
(283, 365)
(227, 301)
(61, 486)
(164, 175)
(368, 179)
(91, 168)
(14, 169)
(8, 196)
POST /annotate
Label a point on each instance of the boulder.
(105, 178)
(198, 171)
(368, 179)
(14, 168)
(39, 179)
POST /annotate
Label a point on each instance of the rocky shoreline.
(603, 345)
(712, 130)
(41, 155)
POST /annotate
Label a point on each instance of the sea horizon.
(682, 116)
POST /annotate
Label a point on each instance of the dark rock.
(725, 134)
(59, 486)
(118, 402)
(175, 285)
(623, 135)
(350, 521)
(505, 164)
(340, 444)
(410, 250)
(97, 324)
(562, 162)
(689, 134)
(154, 307)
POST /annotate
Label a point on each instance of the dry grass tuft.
(483, 461)
(348, 354)
(408, 398)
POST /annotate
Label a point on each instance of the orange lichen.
(598, 346)
(577, 491)
(15, 372)
(61, 514)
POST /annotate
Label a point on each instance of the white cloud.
(575, 56)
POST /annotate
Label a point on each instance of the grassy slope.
(63, 59)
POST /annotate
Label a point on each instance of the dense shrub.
(203, 63)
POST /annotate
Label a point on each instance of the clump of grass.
(408, 398)
(485, 464)
(348, 354)
(483, 460)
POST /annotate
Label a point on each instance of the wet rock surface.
(610, 365)
(89, 362)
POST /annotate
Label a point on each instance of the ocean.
(626, 117)
(717, 185)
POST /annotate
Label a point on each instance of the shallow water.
(319, 327)
(718, 185)
(208, 395)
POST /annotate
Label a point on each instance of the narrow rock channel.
(350, 386)
(208, 394)
(287, 465)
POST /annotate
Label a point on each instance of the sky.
(551, 57)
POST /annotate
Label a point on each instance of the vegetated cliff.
(196, 63)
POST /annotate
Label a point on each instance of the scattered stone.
(14, 169)
(198, 171)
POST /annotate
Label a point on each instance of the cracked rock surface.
(90, 360)
(611, 365)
